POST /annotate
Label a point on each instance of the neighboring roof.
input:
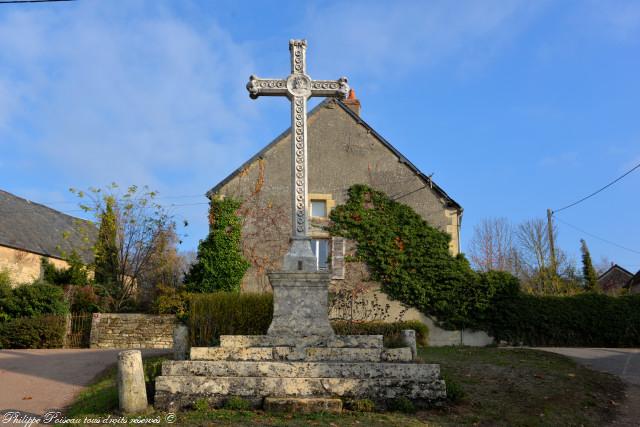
(401, 158)
(33, 227)
(615, 267)
(634, 281)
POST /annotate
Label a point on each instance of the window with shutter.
(337, 257)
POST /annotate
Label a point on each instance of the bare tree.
(492, 246)
(143, 229)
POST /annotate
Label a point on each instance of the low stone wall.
(124, 330)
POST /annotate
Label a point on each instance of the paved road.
(623, 362)
(36, 380)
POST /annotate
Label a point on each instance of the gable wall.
(341, 153)
(23, 266)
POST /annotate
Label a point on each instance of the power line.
(29, 1)
(598, 237)
(601, 189)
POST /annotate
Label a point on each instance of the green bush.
(227, 313)
(33, 332)
(586, 320)
(220, 265)
(32, 300)
(390, 331)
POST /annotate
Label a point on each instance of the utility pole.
(552, 247)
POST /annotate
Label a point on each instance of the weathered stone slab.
(220, 353)
(174, 392)
(302, 405)
(402, 354)
(422, 372)
(361, 341)
(310, 354)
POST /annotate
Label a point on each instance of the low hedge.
(390, 331)
(227, 313)
(33, 332)
(586, 320)
(231, 313)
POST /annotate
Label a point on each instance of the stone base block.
(303, 405)
(175, 392)
(310, 354)
(357, 341)
(201, 368)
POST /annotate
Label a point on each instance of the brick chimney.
(352, 102)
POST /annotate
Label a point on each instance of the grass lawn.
(491, 387)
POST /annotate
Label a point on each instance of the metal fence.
(78, 330)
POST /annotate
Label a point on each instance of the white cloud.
(126, 96)
(388, 39)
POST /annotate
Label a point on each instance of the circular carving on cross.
(299, 85)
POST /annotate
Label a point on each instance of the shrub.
(35, 299)
(220, 265)
(390, 331)
(84, 299)
(455, 392)
(75, 274)
(227, 313)
(33, 332)
(5, 279)
(586, 320)
(170, 300)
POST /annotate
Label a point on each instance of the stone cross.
(298, 87)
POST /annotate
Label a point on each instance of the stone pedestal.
(300, 304)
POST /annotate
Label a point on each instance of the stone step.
(310, 354)
(244, 341)
(175, 392)
(207, 368)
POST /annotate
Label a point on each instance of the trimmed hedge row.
(231, 313)
(227, 313)
(33, 332)
(586, 320)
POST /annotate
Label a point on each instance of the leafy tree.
(220, 265)
(106, 247)
(75, 274)
(589, 274)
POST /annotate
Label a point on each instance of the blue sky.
(514, 106)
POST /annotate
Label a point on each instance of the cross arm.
(331, 88)
(266, 87)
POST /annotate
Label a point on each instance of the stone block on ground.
(358, 341)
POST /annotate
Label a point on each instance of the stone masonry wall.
(120, 330)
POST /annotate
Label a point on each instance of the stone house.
(30, 231)
(343, 150)
(633, 285)
(614, 280)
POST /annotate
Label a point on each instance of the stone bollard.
(132, 392)
(408, 339)
(180, 342)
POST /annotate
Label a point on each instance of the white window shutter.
(337, 257)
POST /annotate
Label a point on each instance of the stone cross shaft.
(298, 87)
